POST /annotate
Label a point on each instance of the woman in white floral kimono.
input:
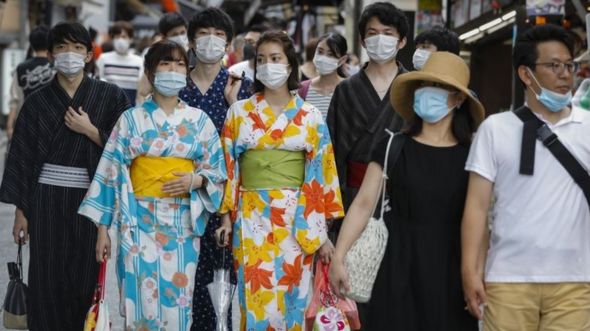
(159, 179)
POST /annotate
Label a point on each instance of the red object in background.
(231, 59)
(170, 6)
(96, 50)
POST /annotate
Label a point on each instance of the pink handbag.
(327, 312)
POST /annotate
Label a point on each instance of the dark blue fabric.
(213, 103)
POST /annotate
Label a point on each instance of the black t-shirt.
(34, 73)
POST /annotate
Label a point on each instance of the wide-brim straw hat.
(441, 67)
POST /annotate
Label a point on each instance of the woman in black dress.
(418, 286)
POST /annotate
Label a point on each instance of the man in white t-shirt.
(121, 67)
(247, 66)
(537, 268)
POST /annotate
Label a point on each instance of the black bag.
(15, 307)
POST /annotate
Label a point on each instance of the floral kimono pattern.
(159, 238)
(276, 231)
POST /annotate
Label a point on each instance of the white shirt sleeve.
(482, 156)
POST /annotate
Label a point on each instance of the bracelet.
(190, 187)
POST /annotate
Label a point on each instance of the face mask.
(420, 57)
(69, 64)
(325, 64)
(553, 101)
(121, 45)
(353, 69)
(249, 51)
(182, 40)
(210, 48)
(169, 83)
(430, 103)
(381, 48)
(272, 75)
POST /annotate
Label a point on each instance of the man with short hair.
(121, 67)
(437, 39)
(249, 52)
(360, 107)
(30, 75)
(172, 26)
(536, 273)
(211, 87)
(58, 140)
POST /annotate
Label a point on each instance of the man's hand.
(20, 230)
(232, 88)
(78, 121)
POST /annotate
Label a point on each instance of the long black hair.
(337, 45)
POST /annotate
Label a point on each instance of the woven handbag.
(364, 257)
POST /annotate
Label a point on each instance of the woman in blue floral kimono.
(159, 179)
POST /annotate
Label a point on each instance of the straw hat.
(441, 67)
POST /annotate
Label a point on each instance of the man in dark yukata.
(58, 140)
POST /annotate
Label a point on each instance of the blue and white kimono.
(159, 238)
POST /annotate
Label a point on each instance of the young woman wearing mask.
(159, 180)
(282, 188)
(418, 285)
(329, 57)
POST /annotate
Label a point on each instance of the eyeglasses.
(558, 67)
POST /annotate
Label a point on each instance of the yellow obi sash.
(272, 169)
(148, 174)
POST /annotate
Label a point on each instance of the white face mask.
(210, 48)
(121, 45)
(182, 40)
(69, 64)
(353, 69)
(272, 75)
(420, 57)
(325, 64)
(381, 48)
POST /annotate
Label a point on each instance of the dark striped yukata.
(47, 174)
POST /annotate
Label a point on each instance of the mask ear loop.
(536, 82)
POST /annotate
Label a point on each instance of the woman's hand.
(326, 251)
(185, 183)
(474, 293)
(103, 244)
(223, 233)
(232, 88)
(339, 277)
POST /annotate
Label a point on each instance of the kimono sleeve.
(320, 197)
(18, 182)
(229, 137)
(120, 105)
(105, 199)
(211, 166)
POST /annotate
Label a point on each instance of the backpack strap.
(535, 128)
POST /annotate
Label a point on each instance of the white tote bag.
(364, 257)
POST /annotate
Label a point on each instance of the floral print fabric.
(276, 231)
(159, 238)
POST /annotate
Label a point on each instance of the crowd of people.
(276, 164)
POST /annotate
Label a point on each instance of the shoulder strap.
(304, 88)
(394, 148)
(535, 128)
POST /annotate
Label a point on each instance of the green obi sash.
(272, 169)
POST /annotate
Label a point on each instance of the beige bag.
(364, 257)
